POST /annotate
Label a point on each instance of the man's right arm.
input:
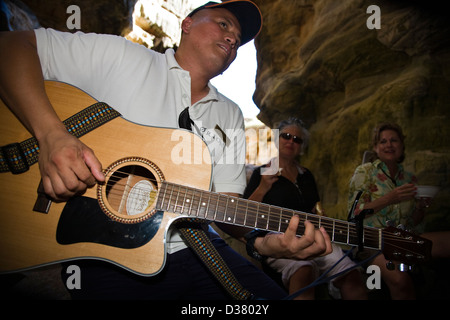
(67, 165)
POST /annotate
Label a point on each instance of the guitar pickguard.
(82, 220)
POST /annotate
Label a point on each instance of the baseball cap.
(247, 13)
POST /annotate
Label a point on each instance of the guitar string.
(374, 233)
(368, 236)
(320, 220)
(252, 214)
(334, 225)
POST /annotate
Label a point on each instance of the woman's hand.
(402, 193)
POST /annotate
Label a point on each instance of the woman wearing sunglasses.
(293, 186)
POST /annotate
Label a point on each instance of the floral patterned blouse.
(372, 178)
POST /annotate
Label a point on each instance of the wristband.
(250, 246)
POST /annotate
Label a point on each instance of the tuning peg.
(390, 265)
(390, 223)
(403, 267)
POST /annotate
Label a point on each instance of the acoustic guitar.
(154, 176)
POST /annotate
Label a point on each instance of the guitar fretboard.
(197, 203)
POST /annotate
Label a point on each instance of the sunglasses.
(288, 136)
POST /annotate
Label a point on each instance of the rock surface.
(319, 61)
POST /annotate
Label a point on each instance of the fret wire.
(254, 223)
(165, 197)
(174, 207)
(200, 204)
(266, 210)
(170, 194)
(263, 209)
(286, 219)
(173, 199)
(236, 214)
(176, 201)
(348, 233)
(184, 200)
(170, 199)
(209, 195)
(217, 206)
(212, 198)
(190, 204)
(226, 208)
(212, 207)
(159, 197)
(279, 220)
(226, 215)
(334, 228)
(245, 215)
(380, 238)
(257, 216)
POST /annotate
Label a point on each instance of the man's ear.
(186, 25)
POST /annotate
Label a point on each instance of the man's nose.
(231, 38)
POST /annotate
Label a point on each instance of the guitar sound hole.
(130, 190)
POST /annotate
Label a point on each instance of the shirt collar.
(172, 63)
(381, 165)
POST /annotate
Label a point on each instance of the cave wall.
(319, 61)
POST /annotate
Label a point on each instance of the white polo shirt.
(148, 88)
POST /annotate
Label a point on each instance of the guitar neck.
(222, 208)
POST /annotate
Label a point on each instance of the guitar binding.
(130, 190)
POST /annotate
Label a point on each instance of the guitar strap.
(199, 241)
(18, 157)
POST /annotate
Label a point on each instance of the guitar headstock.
(403, 246)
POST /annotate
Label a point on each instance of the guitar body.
(80, 228)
